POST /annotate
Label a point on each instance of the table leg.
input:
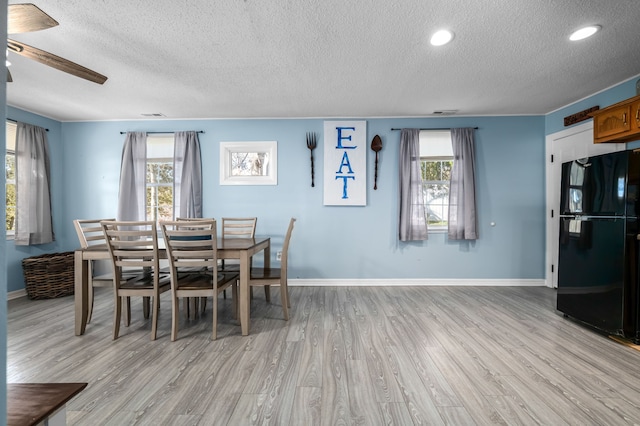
(81, 284)
(244, 292)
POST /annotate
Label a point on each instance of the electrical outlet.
(279, 256)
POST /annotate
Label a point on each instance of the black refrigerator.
(598, 251)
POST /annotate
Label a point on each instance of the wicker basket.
(49, 275)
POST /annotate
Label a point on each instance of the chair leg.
(116, 317)
(90, 301)
(214, 333)
(203, 302)
(267, 293)
(154, 317)
(175, 315)
(284, 298)
(145, 307)
(196, 306)
(127, 313)
(234, 306)
(90, 292)
(286, 293)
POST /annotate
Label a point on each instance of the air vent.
(445, 112)
(153, 114)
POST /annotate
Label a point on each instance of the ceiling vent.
(153, 114)
(445, 112)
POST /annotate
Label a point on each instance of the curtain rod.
(443, 128)
(167, 132)
(16, 121)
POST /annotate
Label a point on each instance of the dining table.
(241, 249)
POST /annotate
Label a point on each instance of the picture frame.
(249, 163)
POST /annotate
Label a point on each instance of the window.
(436, 162)
(159, 185)
(10, 179)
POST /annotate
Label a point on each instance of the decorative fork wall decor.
(311, 144)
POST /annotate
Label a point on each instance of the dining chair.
(188, 301)
(90, 235)
(236, 227)
(276, 276)
(133, 246)
(192, 246)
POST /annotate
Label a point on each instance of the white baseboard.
(379, 282)
(16, 294)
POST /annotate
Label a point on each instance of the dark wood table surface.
(31, 403)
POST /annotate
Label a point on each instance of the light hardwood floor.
(364, 356)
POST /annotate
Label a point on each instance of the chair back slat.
(191, 244)
(239, 227)
(132, 244)
(89, 232)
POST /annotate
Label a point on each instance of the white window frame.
(268, 174)
(435, 146)
(160, 150)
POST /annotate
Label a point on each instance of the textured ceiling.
(323, 58)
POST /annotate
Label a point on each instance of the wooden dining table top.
(234, 244)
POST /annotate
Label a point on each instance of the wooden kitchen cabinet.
(617, 123)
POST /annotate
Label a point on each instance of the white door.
(566, 145)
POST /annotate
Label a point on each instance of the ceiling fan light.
(442, 37)
(584, 32)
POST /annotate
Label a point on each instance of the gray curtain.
(462, 192)
(187, 169)
(33, 199)
(413, 220)
(131, 198)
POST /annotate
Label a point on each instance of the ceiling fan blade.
(27, 17)
(9, 78)
(55, 61)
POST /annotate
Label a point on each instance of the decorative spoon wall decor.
(311, 144)
(376, 146)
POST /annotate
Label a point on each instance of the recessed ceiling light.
(441, 37)
(585, 32)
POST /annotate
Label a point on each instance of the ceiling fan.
(27, 17)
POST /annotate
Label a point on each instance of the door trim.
(552, 181)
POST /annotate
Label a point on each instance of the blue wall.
(328, 242)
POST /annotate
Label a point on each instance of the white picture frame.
(249, 163)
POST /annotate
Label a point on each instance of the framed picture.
(249, 163)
